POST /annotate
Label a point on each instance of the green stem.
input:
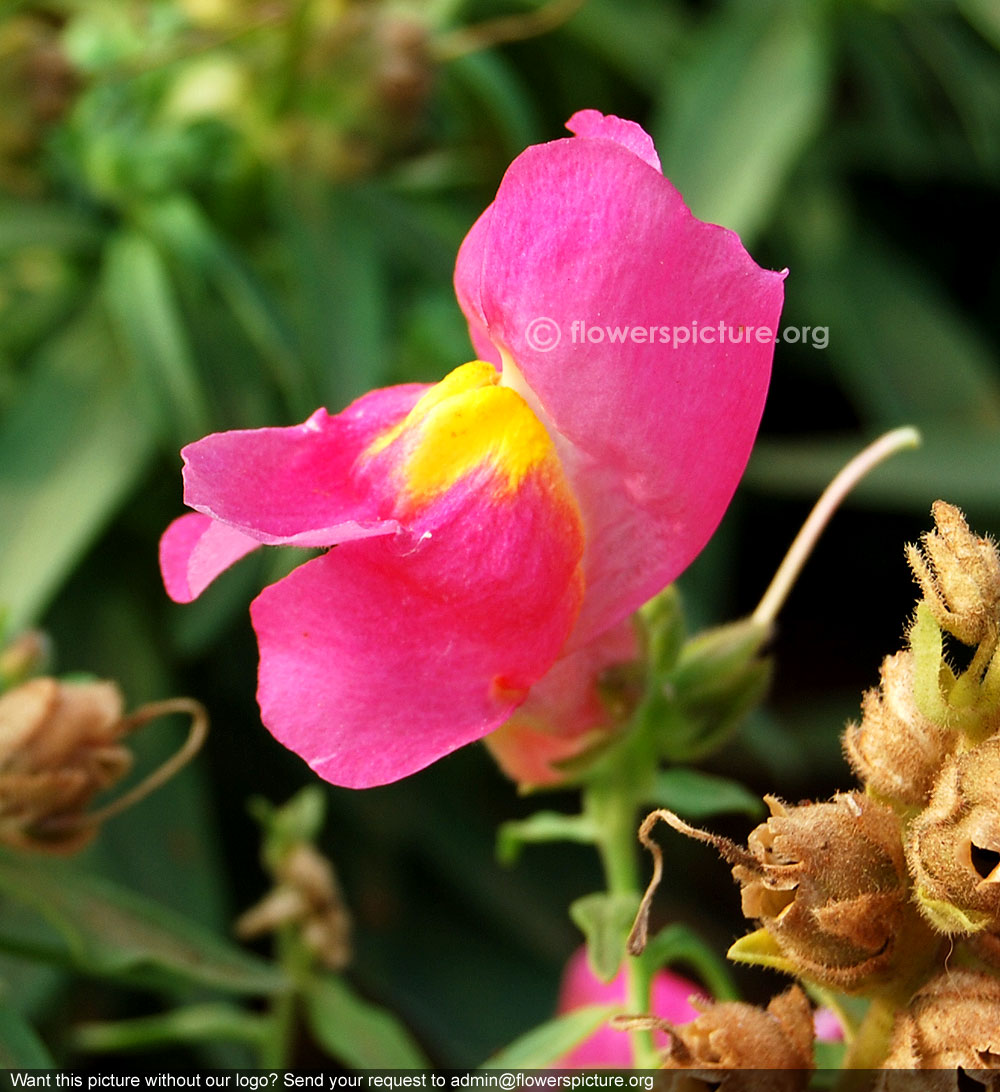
(278, 1040)
(612, 802)
(871, 1043)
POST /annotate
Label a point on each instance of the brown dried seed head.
(59, 747)
(953, 846)
(952, 1021)
(306, 894)
(896, 751)
(959, 576)
(735, 1035)
(828, 881)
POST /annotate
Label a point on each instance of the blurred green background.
(225, 213)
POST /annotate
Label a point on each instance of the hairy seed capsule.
(828, 882)
(952, 1022)
(959, 575)
(953, 846)
(896, 751)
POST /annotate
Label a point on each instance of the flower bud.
(828, 882)
(897, 751)
(952, 1022)
(953, 846)
(59, 747)
(735, 1035)
(959, 576)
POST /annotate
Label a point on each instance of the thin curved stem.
(898, 439)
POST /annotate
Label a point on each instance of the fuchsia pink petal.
(486, 542)
(566, 714)
(654, 435)
(609, 1048)
(296, 486)
(194, 549)
(382, 656)
(594, 125)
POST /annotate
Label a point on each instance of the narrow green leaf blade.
(552, 1040)
(111, 932)
(20, 1047)
(697, 795)
(142, 306)
(543, 826)
(356, 1032)
(742, 108)
(72, 447)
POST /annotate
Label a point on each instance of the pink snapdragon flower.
(609, 1048)
(493, 525)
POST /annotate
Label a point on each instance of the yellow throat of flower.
(466, 421)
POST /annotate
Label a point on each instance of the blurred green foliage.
(224, 213)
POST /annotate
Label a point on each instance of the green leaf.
(141, 303)
(546, 1044)
(543, 826)
(740, 109)
(41, 224)
(985, 17)
(190, 237)
(605, 920)
(904, 353)
(953, 464)
(188, 1024)
(72, 447)
(108, 931)
(356, 1032)
(679, 944)
(633, 37)
(20, 1047)
(697, 795)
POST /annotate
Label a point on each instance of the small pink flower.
(828, 1027)
(491, 526)
(609, 1048)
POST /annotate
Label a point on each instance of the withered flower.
(952, 1023)
(61, 743)
(306, 894)
(953, 846)
(896, 751)
(733, 1035)
(959, 576)
(827, 882)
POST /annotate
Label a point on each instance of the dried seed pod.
(959, 576)
(896, 751)
(953, 845)
(952, 1026)
(828, 882)
(732, 1035)
(307, 894)
(59, 747)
